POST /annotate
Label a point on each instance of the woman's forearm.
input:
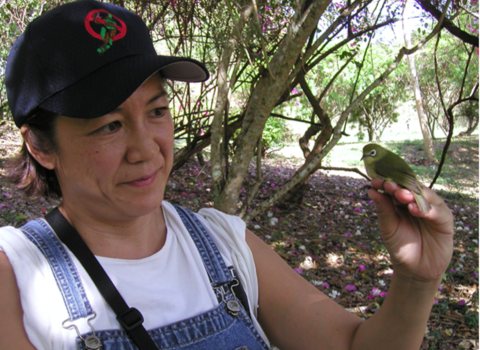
(401, 321)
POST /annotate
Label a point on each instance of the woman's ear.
(47, 160)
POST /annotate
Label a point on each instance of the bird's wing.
(400, 167)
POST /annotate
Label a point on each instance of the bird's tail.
(422, 202)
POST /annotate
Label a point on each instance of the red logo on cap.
(111, 28)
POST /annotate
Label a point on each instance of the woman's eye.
(110, 127)
(158, 112)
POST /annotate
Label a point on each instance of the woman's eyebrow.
(153, 99)
(159, 95)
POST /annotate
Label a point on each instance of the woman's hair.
(24, 171)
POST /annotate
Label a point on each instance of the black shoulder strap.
(240, 293)
(130, 318)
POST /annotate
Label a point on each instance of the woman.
(98, 132)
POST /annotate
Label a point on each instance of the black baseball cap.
(84, 59)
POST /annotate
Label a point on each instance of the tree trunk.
(264, 97)
(219, 159)
(427, 139)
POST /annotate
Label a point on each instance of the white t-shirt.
(166, 287)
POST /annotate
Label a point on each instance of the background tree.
(375, 114)
(452, 56)
(467, 115)
(269, 60)
(417, 93)
(379, 108)
(14, 17)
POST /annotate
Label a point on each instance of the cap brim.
(108, 87)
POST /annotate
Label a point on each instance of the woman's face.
(116, 166)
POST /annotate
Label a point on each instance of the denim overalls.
(227, 326)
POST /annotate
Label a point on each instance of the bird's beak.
(363, 156)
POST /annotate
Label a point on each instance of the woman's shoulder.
(232, 224)
(18, 243)
(4, 230)
(11, 235)
(12, 332)
(217, 222)
(8, 232)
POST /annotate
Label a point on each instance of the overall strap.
(223, 279)
(63, 268)
(130, 318)
(214, 263)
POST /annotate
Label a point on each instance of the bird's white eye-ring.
(373, 153)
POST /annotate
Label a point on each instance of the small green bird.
(386, 165)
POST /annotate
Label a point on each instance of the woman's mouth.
(143, 181)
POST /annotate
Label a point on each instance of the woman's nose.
(141, 145)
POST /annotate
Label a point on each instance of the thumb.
(387, 215)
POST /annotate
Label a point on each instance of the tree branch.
(276, 115)
(449, 111)
(355, 170)
(448, 24)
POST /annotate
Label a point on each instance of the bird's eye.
(373, 153)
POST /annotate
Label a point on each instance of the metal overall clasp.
(92, 342)
(233, 306)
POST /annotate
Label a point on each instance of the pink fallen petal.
(350, 288)
(362, 268)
